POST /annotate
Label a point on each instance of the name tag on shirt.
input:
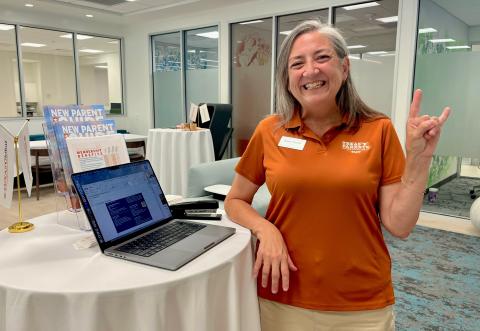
(293, 143)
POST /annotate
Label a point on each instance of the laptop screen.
(122, 199)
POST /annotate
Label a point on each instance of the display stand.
(19, 226)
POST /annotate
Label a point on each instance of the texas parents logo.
(355, 147)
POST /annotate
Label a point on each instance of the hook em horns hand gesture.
(423, 131)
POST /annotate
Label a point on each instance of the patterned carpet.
(453, 198)
(436, 275)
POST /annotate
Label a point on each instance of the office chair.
(474, 191)
(220, 116)
(134, 153)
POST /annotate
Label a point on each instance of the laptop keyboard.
(160, 239)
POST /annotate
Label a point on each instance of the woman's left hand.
(423, 131)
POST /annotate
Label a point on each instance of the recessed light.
(211, 34)
(131, 0)
(112, 42)
(458, 47)
(286, 33)
(251, 22)
(28, 5)
(79, 36)
(389, 19)
(444, 40)
(32, 45)
(89, 15)
(356, 46)
(362, 5)
(92, 51)
(426, 30)
(6, 27)
(102, 67)
(354, 57)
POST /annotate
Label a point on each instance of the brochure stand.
(62, 122)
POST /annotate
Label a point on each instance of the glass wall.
(251, 49)
(167, 80)
(286, 23)
(100, 72)
(172, 91)
(370, 30)
(9, 90)
(48, 69)
(447, 70)
(202, 66)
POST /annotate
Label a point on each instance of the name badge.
(293, 143)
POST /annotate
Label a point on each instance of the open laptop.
(131, 219)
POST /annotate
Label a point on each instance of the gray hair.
(347, 98)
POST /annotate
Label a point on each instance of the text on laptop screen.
(124, 199)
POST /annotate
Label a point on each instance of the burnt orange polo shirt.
(325, 204)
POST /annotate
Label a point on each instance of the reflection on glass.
(447, 70)
(202, 66)
(100, 72)
(48, 69)
(167, 75)
(9, 93)
(287, 23)
(251, 65)
(370, 32)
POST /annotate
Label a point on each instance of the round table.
(46, 284)
(173, 151)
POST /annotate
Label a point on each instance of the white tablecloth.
(45, 284)
(172, 152)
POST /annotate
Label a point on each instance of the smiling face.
(315, 73)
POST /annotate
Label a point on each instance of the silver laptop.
(131, 219)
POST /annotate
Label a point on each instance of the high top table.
(173, 151)
(48, 285)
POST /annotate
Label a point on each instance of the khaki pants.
(275, 316)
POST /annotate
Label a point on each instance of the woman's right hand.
(273, 258)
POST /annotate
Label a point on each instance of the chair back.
(221, 114)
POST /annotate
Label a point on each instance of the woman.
(336, 171)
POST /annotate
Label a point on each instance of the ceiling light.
(458, 47)
(354, 57)
(389, 54)
(209, 60)
(211, 34)
(377, 52)
(426, 30)
(390, 19)
(102, 67)
(92, 51)
(33, 45)
(444, 40)
(89, 15)
(191, 51)
(362, 5)
(79, 36)
(131, 0)
(6, 27)
(28, 5)
(251, 22)
(356, 46)
(286, 32)
(112, 42)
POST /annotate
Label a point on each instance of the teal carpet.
(436, 276)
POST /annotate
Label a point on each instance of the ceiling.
(116, 11)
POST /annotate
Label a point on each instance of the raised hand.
(423, 131)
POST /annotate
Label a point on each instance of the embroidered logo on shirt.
(355, 147)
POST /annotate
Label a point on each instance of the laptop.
(131, 219)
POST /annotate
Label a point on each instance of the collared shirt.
(325, 204)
